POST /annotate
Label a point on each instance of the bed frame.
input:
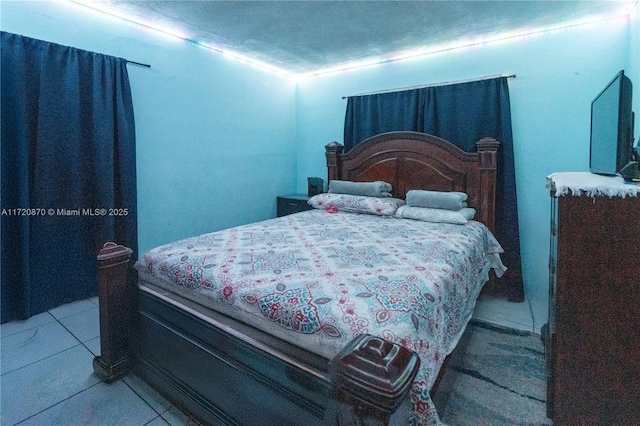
(222, 371)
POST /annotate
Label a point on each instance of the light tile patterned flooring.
(47, 377)
(526, 316)
(46, 365)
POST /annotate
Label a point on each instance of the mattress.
(318, 279)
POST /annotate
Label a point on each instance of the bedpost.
(488, 157)
(115, 312)
(333, 151)
(371, 377)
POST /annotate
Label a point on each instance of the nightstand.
(288, 204)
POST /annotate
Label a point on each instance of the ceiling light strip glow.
(460, 46)
(97, 8)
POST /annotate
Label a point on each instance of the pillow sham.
(367, 189)
(356, 204)
(459, 217)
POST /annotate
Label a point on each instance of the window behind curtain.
(463, 114)
(68, 171)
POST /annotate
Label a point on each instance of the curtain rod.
(138, 63)
(444, 83)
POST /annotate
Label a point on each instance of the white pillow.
(356, 203)
(426, 214)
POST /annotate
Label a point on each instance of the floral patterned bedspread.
(319, 279)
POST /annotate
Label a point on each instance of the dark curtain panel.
(68, 171)
(463, 114)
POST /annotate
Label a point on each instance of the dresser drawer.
(288, 204)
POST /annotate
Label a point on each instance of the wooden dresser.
(593, 339)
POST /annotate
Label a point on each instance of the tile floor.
(527, 316)
(47, 372)
(47, 377)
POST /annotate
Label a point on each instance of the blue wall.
(215, 137)
(558, 74)
(218, 140)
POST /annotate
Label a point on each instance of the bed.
(321, 317)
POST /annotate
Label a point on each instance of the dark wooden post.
(333, 151)
(371, 377)
(113, 268)
(488, 157)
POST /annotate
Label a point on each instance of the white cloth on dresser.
(590, 184)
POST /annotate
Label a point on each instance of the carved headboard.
(412, 160)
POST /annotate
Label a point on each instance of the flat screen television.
(612, 127)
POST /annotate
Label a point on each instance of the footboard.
(217, 375)
(222, 371)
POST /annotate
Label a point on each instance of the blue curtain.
(463, 114)
(68, 171)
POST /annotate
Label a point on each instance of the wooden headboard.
(412, 160)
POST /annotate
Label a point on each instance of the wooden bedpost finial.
(487, 145)
(371, 377)
(333, 151)
(115, 312)
(113, 253)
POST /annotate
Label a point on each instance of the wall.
(215, 137)
(558, 74)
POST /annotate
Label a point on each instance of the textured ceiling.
(309, 36)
